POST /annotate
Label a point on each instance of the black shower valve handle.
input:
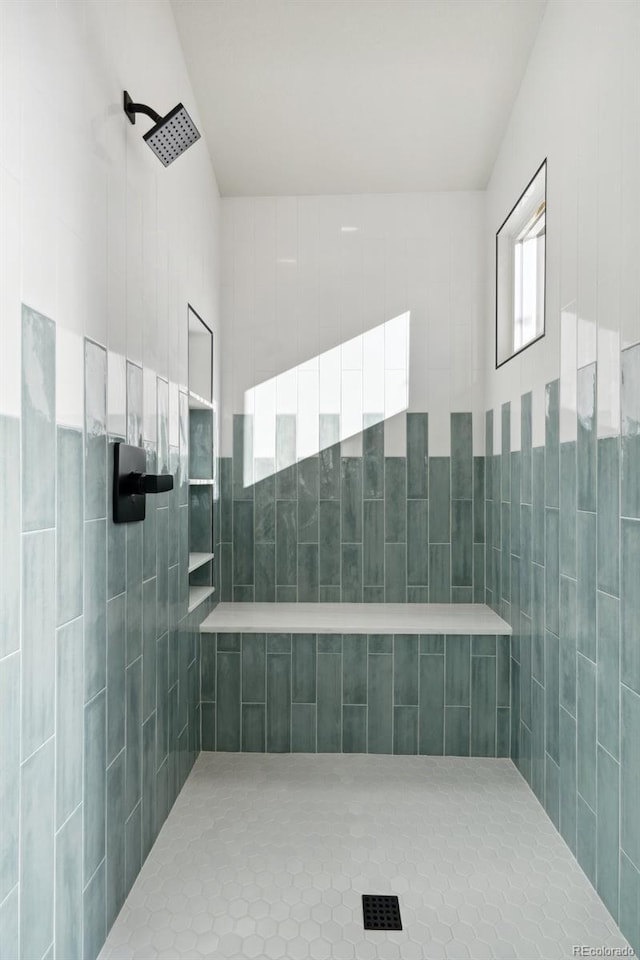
(142, 483)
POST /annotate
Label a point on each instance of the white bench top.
(439, 618)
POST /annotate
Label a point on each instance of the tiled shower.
(133, 747)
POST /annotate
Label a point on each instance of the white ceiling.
(355, 96)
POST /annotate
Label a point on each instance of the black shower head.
(171, 135)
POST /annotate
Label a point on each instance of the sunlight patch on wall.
(327, 399)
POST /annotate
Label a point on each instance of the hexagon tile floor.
(266, 856)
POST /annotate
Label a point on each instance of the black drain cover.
(381, 912)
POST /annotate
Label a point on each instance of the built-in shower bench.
(356, 618)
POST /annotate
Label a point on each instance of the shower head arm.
(131, 108)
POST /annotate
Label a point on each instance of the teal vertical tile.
(537, 740)
(505, 551)
(308, 493)
(330, 643)
(10, 534)
(95, 430)
(461, 456)
(488, 433)
(265, 501)
(586, 588)
(354, 729)
(115, 878)
(278, 703)
(526, 447)
(133, 846)
(456, 731)
(457, 671)
(162, 551)
(68, 888)
(69, 717)
(69, 505)
(9, 923)
(586, 756)
(228, 700)
(586, 839)
(242, 542)
(351, 503)
(329, 456)
(183, 445)
(405, 730)
(417, 455)
(94, 921)
(253, 667)
(608, 672)
(439, 573)
(552, 445)
(525, 557)
(95, 721)
(439, 500)
(286, 486)
(586, 441)
(505, 471)
(253, 727)
(329, 713)
(200, 519)
(380, 704)
(552, 695)
(431, 643)
(608, 831)
(208, 721)
(478, 499)
(286, 594)
(134, 591)
(373, 460)
(405, 669)
(351, 573)
(376, 594)
(38, 420)
(431, 706)
(226, 499)
(629, 774)
(568, 779)
(552, 569)
(265, 572)
(524, 762)
(9, 773)
(303, 668)
(515, 590)
(552, 791)
(329, 552)
(515, 503)
(38, 639)
(380, 643)
(568, 644)
(133, 734)
(37, 786)
(243, 456)
(568, 508)
(286, 542)
(461, 543)
(630, 411)
(503, 668)
(483, 707)
(537, 514)
(514, 739)
(174, 511)
(629, 910)
(162, 708)
(308, 573)
(630, 605)
(303, 728)
(373, 542)
(395, 573)
(149, 629)
(201, 444)
(149, 531)
(354, 669)
(478, 573)
(395, 502)
(608, 516)
(148, 784)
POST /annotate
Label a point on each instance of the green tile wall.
(575, 651)
(99, 661)
(354, 529)
(402, 694)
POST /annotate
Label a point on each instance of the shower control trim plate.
(131, 483)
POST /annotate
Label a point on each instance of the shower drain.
(381, 912)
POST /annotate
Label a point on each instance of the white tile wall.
(302, 275)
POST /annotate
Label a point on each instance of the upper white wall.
(295, 285)
(94, 232)
(579, 106)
